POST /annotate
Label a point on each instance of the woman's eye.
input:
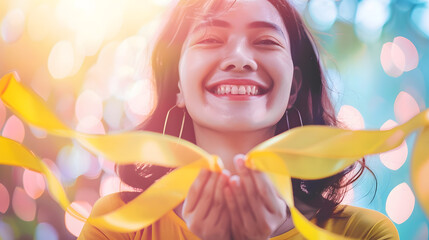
(209, 41)
(267, 42)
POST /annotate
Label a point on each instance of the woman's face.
(236, 69)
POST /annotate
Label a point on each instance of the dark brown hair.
(312, 102)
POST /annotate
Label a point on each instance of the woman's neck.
(228, 144)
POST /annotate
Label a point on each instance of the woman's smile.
(237, 89)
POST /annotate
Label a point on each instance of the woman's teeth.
(237, 90)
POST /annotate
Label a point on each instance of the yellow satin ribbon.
(310, 152)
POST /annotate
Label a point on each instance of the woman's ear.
(296, 86)
(180, 101)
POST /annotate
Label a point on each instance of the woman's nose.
(239, 58)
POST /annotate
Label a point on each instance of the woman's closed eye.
(268, 42)
(209, 41)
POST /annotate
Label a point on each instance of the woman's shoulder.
(361, 223)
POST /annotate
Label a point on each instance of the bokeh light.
(23, 205)
(45, 231)
(392, 59)
(61, 60)
(12, 26)
(73, 161)
(405, 107)
(34, 183)
(410, 53)
(371, 15)
(394, 159)
(420, 18)
(400, 203)
(351, 118)
(6, 231)
(14, 129)
(90, 125)
(74, 225)
(4, 199)
(323, 13)
(347, 9)
(89, 104)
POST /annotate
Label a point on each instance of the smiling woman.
(242, 72)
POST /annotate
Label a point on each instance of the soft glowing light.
(107, 166)
(89, 104)
(112, 184)
(2, 114)
(405, 107)
(394, 159)
(140, 98)
(6, 232)
(74, 225)
(14, 129)
(371, 15)
(38, 133)
(323, 13)
(61, 59)
(161, 2)
(392, 59)
(13, 25)
(94, 169)
(420, 18)
(109, 184)
(113, 113)
(40, 22)
(347, 10)
(400, 203)
(23, 206)
(4, 199)
(34, 183)
(91, 125)
(73, 161)
(410, 53)
(45, 231)
(351, 117)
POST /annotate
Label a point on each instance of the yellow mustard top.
(355, 222)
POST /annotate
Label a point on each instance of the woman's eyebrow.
(225, 24)
(269, 25)
(212, 23)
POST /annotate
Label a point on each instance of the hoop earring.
(166, 120)
(287, 117)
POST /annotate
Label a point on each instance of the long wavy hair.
(312, 102)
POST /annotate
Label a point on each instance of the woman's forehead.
(243, 12)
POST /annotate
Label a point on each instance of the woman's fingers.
(244, 209)
(266, 190)
(195, 191)
(249, 186)
(217, 205)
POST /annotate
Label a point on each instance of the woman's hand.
(204, 209)
(255, 208)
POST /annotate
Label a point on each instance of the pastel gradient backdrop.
(88, 60)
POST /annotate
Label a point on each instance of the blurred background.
(88, 60)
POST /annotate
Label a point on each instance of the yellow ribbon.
(310, 152)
